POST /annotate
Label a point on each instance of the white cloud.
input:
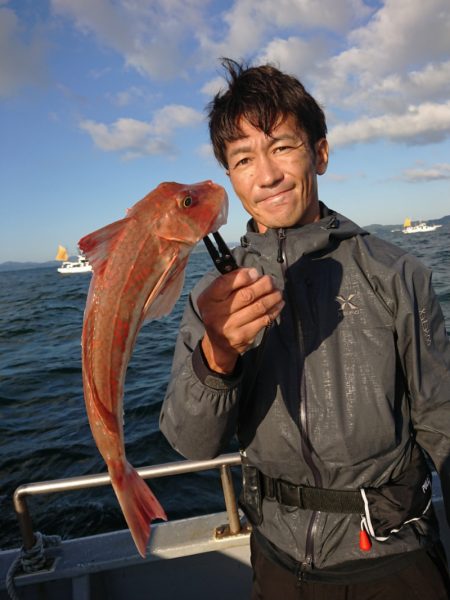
(426, 123)
(394, 92)
(332, 15)
(392, 79)
(149, 35)
(388, 59)
(294, 55)
(250, 25)
(173, 116)
(22, 63)
(126, 97)
(138, 138)
(214, 86)
(423, 174)
(389, 48)
(123, 134)
(399, 36)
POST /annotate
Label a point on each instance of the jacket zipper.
(308, 561)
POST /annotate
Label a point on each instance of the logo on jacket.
(423, 316)
(426, 484)
(346, 303)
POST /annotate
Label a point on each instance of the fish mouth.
(222, 215)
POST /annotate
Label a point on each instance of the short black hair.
(261, 95)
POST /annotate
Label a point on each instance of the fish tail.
(138, 503)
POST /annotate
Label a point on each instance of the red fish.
(138, 264)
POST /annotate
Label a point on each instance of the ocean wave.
(44, 430)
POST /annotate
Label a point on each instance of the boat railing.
(223, 462)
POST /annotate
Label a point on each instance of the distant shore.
(374, 228)
(12, 265)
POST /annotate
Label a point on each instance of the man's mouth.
(278, 196)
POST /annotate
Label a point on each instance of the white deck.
(184, 561)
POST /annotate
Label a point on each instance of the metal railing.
(223, 463)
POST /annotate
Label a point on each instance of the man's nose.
(269, 172)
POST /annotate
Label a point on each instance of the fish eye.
(187, 201)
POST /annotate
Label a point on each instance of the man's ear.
(321, 149)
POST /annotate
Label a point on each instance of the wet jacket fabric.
(355, 371)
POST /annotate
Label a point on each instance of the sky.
(102, 100)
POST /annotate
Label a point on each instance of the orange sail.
(61, 254)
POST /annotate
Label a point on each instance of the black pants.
(425, 580)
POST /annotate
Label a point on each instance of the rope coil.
(30, 561)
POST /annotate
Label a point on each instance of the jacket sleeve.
(424, 349)
(199, 412)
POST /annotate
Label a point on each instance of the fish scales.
(138, 270)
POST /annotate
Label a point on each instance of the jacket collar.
(331, 228)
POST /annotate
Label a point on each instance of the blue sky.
(101, 100)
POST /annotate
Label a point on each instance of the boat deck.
(184, 560)
(196, 558)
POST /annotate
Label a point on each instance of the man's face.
(275, 176)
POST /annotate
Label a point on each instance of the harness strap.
(311, 498)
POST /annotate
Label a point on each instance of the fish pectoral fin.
(98, 245)
(167, 290)
(183, 232)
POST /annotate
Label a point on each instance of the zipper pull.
(281, 238)
(365, 543)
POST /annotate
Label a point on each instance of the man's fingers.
(241, 336)
(234, 308)
(225, 285)
(263, 290)
(269, 305)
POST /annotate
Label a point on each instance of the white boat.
(81, 265)
(422, 227)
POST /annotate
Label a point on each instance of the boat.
(81, 265)
(193, 558)
(421, 227)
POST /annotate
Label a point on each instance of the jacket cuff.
(212, 379)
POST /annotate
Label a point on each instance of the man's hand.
(234, 308)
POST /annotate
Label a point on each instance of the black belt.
(312, 498)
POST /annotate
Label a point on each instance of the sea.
(44, 431)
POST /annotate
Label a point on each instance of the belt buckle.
(288, 493)
(278, 492)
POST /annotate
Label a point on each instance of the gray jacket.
(357, 366)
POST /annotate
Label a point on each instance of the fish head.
(190, 212)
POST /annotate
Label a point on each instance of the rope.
(30, 561)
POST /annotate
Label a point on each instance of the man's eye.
(242, 162)
(282, 148)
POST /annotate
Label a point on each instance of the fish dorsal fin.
(166, 291)
(98, 245)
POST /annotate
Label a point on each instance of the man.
(327, 354)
